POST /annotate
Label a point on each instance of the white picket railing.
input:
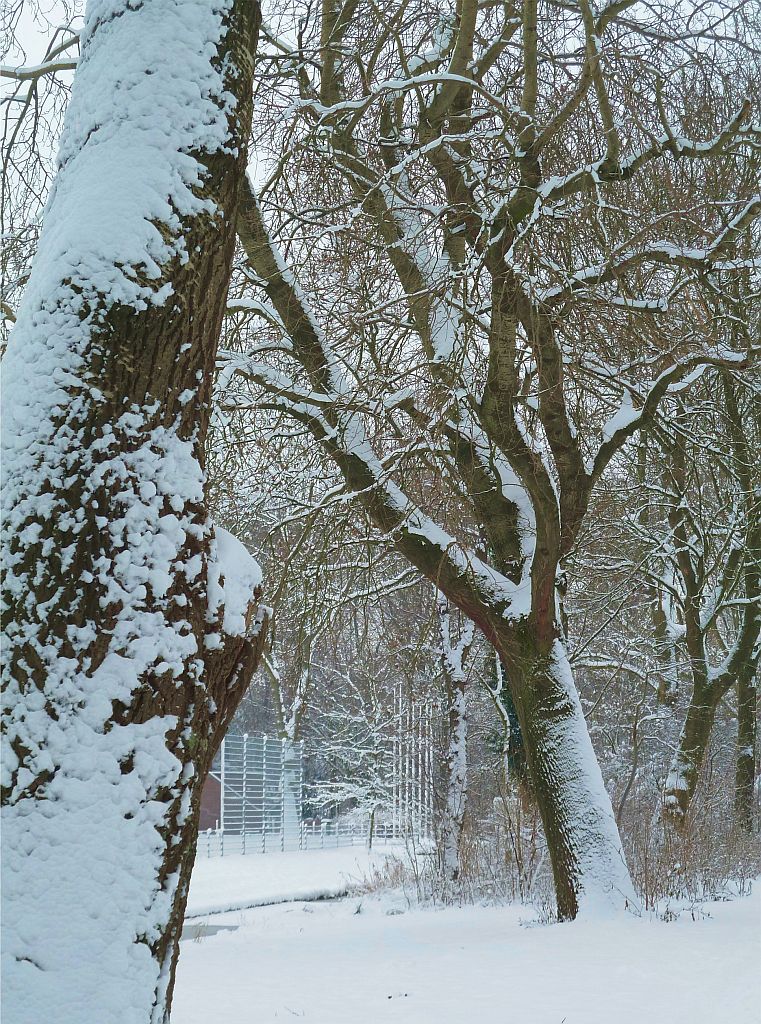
(325, 836)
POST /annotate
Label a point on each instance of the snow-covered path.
(360, 961)
(236, 882)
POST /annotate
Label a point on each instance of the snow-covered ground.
(373, 960)
(236, 882)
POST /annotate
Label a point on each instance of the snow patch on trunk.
(234, 575)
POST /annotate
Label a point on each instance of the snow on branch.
(51, 65)
(342, 435)
(33, 72)
(627, 420)
(679, 147)
(661, 252)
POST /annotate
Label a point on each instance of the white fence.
(261, 798)
(261, 787)
(328, 835)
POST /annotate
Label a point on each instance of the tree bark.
(745, 774)
(515, 767)
(684, 773)
(130, 626)
(453, 821)
(453, 658)
(588, 864)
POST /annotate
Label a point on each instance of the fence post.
(301, 787)
(282, 796)
(244, 801)
(222, 785)
(264, 793)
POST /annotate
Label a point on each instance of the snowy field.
(372, 960)
(236, 882)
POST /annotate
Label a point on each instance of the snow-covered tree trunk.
(130, 624)
(457, 783)
(684, 771)
(291, 789)
(582, 838)
(739, 669)
(665, 654)
(289, 715)
(453, 657)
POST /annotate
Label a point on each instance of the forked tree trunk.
(577, 815)
(130, 626)
(738, 669)
(709, 687)
(695, 738)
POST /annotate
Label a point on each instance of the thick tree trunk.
(745, 775)
(453, 818)
(588, 863)
(130, 627)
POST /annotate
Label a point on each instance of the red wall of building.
(211, 804)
